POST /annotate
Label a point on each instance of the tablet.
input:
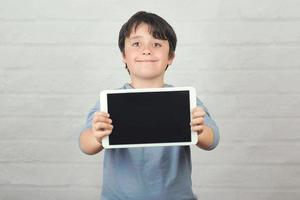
(149, 117)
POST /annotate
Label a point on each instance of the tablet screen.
(149, 117)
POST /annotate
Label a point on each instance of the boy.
(147, 43)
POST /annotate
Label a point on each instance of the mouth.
(146, 61)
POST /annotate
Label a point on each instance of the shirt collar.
(128, 86)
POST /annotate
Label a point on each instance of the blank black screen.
(149, 117)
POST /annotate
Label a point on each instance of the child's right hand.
(102, 125)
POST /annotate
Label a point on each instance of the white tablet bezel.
(103, 108)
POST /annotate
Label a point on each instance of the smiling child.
(147, 43)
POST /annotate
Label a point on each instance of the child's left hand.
(197, 122)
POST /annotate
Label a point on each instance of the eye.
(135, 44)
(157, 44)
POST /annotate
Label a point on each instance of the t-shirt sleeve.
(208, 121)
(90, 115)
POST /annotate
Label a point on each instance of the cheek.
(164, 53)
(164, 57)
(129, 56)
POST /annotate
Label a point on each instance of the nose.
(146, 51)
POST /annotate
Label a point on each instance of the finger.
(99, 135)
(103, 126)
(100, 118)
(197, 128)
(197, 109)
(194, 110)
(197, 121)
(104, 114)
(198, 114)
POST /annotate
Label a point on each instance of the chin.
(147, 76)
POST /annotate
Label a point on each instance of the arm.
(90, 139)
(88, 143)
(207, 136)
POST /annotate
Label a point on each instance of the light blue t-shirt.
(150, 173)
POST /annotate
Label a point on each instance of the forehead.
(144, 29)
(139, 29)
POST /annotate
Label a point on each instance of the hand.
(197, 123)
(102, 125)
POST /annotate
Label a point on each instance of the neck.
(137, 83)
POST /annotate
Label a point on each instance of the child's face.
(145, 56)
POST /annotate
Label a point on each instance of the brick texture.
(241, 55)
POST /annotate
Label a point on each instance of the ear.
(170, 61)
(124, 58)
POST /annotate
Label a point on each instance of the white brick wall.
(241, 55)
